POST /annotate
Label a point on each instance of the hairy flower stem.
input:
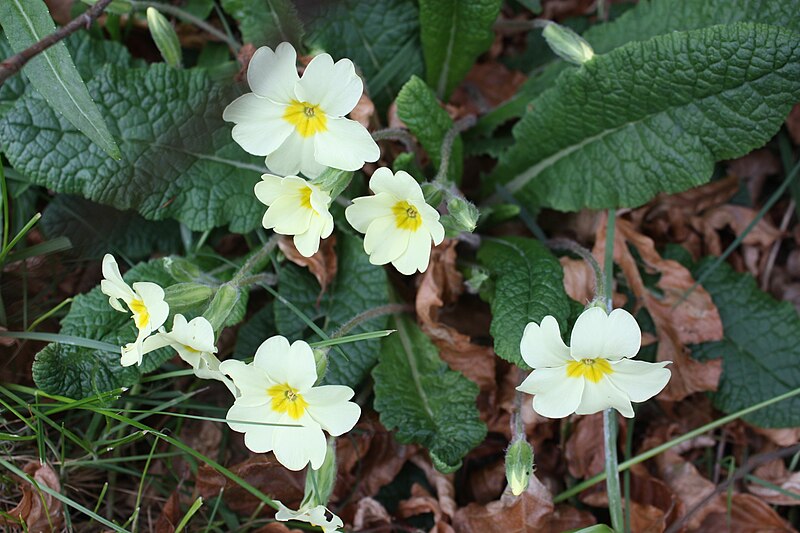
(586, 255)
(369, 314)
(609, 415)
(246, 270)
(459, 126)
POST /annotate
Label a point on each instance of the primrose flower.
(398, 223)
(278, 388)
(595, 372)
(145, 300)
(296, 207)
(298, 123)
(318, 516)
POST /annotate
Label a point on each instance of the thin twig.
(742, 471)
(177, 12)
(14, 64)
(773, 253)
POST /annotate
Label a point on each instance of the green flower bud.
(221, 306)
(567, 44)
(165, 37)
(182, 269)
(321, 358)
(320, 483)
(433, 194)
(464, 213)
(333, 181)
(183, 296)
(475, 278)
(519, 466)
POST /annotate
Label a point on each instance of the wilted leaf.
(689, 486)
(323, 264)
(40, 511)
(585, 449)
(370, 513)
(777, 474)
(747, 514)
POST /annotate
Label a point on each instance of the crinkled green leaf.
(454, 33)
(648, 19)
(382, 39)
(429, 404)
(653, 117)
(358, 287)
(52, 72)
(528, 285)
(79, 372)
(266, 22)
(419, 109)
(121, 232)
(178, 158)
(760, 351)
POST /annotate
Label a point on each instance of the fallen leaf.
(244, 56)
(170, 514)
(585, 447)
(486, 483)
(689, 487)
(693, 320)
(579, 279)
(263, 472)
(442, 284)
(775, 472)
(322, 264)
(370, 513)
(441, 483)
(486, 86)
(39, 510)
(747, 514)
(782, 437)
(363, 111)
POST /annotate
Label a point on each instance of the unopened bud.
(333, 181)
(433, 194)
(183, 296)
(165, 37)
(567, 44)
(182, 269)
(221, 306)
(321, 359)
(462, 216)
(319, 483)
(519, 466)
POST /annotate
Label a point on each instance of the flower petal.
(153, 298)
(623, 335)
(113, 285)
(251, 381)
(335, 87)
(541, 345)
(272, 357)
(260, 128)
(366, 209)
(417, 254)
(640, 380)
(307, 243)
(301, 368)
(556, 395)
(295, 447)
(330, 408)
(296, 154)
(274, 74)
(384, 242)
(287, 217)
(602, 395)
(611, 337)
(345, 145)
(400, 185)
(269, 189)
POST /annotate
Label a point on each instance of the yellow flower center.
(286, 399)
(591, 369)
(308, 119)
(305, 198)
(141, 316)
(406, 216)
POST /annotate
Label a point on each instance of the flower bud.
(567, 44)
(433, 194)
(333, 181)
(182, 269)
(165, 37)
(519, 465)
(319, 483)
(462, 216)
(221, 306)
(321, 358)
(183, 296)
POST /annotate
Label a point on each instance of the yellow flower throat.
(591, 369)
(406, 216)
(308, 119)
(286, 399)
(141, 316)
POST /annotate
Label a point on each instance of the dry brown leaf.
(782, 437)
(363, 111)
(170, 515)
(748, 514)
(584, 449)
(40, 511)
(442, 484)
(442, 284)
(694, 320)
(689, 486)
(486, 86)
(775, 472)
(579, 279)
(277, 527)
(322, 264)
(263, 472)
(370, 513)
(486, 483)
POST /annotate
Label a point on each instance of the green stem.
(246, 270)
(580, 487)
(608, 263)
(447, 146)
(369, 314)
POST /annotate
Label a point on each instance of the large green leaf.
(418, 108)
(653, 117)
(528, 285)
(79, 372)
(121, 232)
(454, 33)
(178, 158)
(760, 351)
(266, 22)
(417, 393)
(52, 72)
(358, 287)
(382, 38)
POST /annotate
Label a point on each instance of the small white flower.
(316, 516)
(296, 207)
(398, 223)
(194, 342)
(298, 123)
(595, 372)
(145, 300)
(278, 388)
